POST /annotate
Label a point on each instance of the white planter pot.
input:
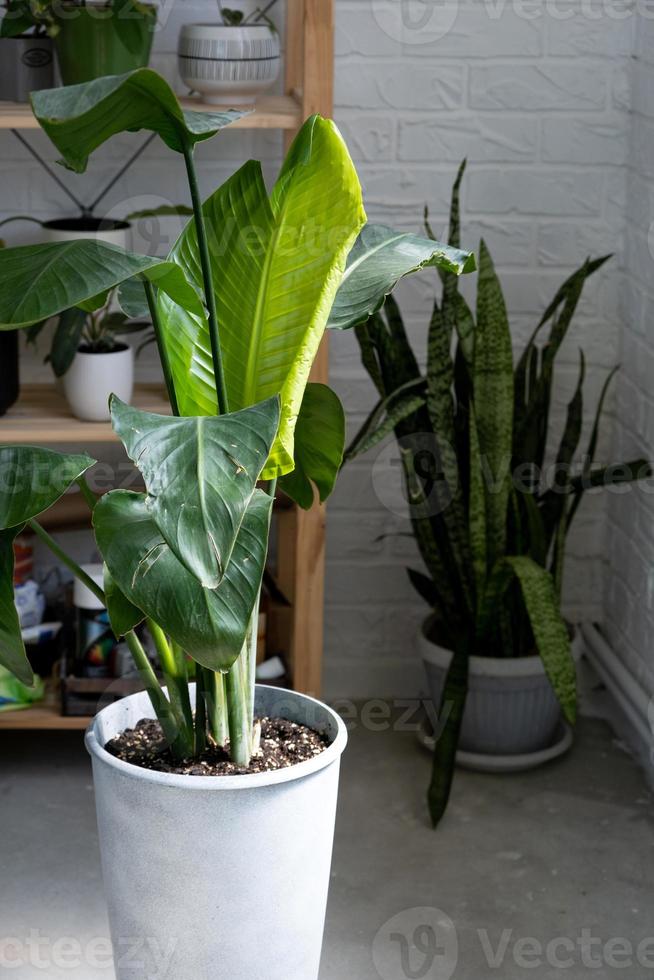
(90, 229)
(228, 65)
(26, 65)
(92, 378)
(511, 708)
(226, 875)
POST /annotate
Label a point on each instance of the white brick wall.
(629, 579)
(536, 95)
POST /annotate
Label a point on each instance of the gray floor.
(541, 875)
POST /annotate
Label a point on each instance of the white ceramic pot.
(511, 708)
(90, 229)
(224, 877)
(228, 65)
(26, 65)
(92, 378)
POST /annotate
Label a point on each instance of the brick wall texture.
(552, 102)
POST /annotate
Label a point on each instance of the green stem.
(177, 684)
(240, 729)
(87, 493)
(68, 561)
(161, 346)
(217, 710)
(209, 294)
(200, 709)
(162, 706)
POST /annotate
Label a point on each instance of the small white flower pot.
(511, 708)
(228, 65)
(104, 230)
(92, 378)
(225, 877)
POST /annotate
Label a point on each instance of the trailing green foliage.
(489, 516)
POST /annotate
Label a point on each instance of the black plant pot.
(8, 370)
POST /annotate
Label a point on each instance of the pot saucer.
(480, 762)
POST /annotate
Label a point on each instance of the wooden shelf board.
(271, 112)
(42, 416)
(45, 716)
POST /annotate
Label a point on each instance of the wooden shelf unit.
(42, 417)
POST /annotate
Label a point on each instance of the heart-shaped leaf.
(379, 259)
(319, 445)
(80, 118)
(12, 648)
(200, 474)
(32, 480)
(209, 624)
(39, 281)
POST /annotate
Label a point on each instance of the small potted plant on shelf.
(91, 39)
(490, 518)
(91, 356)
(233, 61)
(26, 56)
(247, 775)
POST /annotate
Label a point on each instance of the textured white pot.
(226, 876)
(92, 378)
(511, 708)
(228, 65)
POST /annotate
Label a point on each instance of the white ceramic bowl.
(228, 65)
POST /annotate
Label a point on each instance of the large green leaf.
(493, 400)
(379, 259)
(40, 281)
(319, 444)
(80, 118)
(276, 264)
(200, 474)
(33, 479)
(12, 648)
(209, 624)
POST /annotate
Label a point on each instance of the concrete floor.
(541, 875)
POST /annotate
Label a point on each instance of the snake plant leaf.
(123, 614)
(276, 264)
(200, 474)
(33, 480)
(386, 415)
(379, 259)
(209, 624)
(80, 118)
(589, 458)
(12, 648)
(613, 475)
(319, 444)
(40, 281)
(477, 522)
(493, 400)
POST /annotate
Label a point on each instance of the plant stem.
(177, 684)
(87, 493)
(161, 345)
(209, 294)
(163, 708)
(200, 709)
(68, 561)
(217, 710)
(240, 728)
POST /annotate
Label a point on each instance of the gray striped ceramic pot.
(228, 65)
(511, 708)
(217, 878)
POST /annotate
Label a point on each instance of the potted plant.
(238, 321)
(92, 39)
(26, 62)
(490, 518)
(233, 61)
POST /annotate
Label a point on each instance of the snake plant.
(239, 309)
(490, 518)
